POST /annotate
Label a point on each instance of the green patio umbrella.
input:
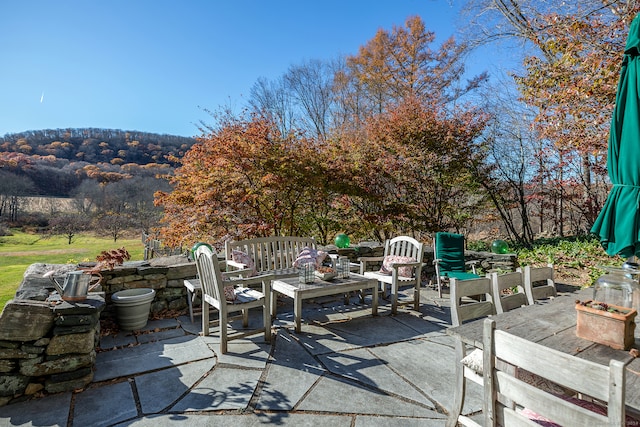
(618, 222)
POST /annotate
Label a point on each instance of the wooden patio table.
(552, 324)
(301, 291)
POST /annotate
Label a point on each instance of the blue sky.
(153, 65)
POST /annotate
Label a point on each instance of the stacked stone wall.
(47, 346)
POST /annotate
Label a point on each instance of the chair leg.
(205, 318)
(416, 297)
(222, 318)
(459, 386)
(245, 318)
(394, 298)
(190, 297)
(266, 318)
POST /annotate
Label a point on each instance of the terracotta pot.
(614, 329)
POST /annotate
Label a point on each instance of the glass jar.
(306, 272)
(633, 271)
(344, 267)
(615, 287)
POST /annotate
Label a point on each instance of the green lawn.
(19, 251)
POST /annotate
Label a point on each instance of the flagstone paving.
(345, 368)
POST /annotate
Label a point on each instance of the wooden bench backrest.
(605, 383)
(271, 253)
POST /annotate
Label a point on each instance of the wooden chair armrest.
(370, 258)
(264, 280)
(473, 264)
(406, 264)
(236, 265)
(236, 274)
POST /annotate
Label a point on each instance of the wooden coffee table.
(319, 288)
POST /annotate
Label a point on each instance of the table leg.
(374, 300)
(274, 304)
(297, 312)
(459, 386)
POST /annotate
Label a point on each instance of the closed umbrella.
(618, 222)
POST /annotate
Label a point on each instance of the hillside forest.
(110, 174)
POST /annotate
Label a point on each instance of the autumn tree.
(243, 178)
(571, 64)
(402, 64)
(414, 169)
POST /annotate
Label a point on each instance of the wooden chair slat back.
(209, 273)
(405, 246)
(605, 383)
(501, 282)
(462, 311)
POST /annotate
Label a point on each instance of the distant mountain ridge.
(58, 160)
(95, 145)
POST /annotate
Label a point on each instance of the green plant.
(577, 257)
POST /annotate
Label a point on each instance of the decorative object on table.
(325, 273)
(615, 287)
(606, 324)
(133, 307)
(499, 247)
(344, 267)
(306, 272)
(342, 241)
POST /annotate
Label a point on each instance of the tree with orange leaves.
(411, 171)
(243, 178)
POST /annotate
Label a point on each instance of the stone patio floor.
(346, 368)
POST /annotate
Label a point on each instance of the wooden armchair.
(401, 267)
(237, 298)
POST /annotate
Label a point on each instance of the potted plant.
(108, 260)
(607, 324)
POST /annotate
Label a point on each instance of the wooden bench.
(271, 255)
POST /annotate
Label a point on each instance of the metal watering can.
(76, 285)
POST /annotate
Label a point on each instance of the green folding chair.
(449, 259)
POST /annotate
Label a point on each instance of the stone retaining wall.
(47, 346)
(165, 275)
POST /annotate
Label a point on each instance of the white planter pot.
(133, 307)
